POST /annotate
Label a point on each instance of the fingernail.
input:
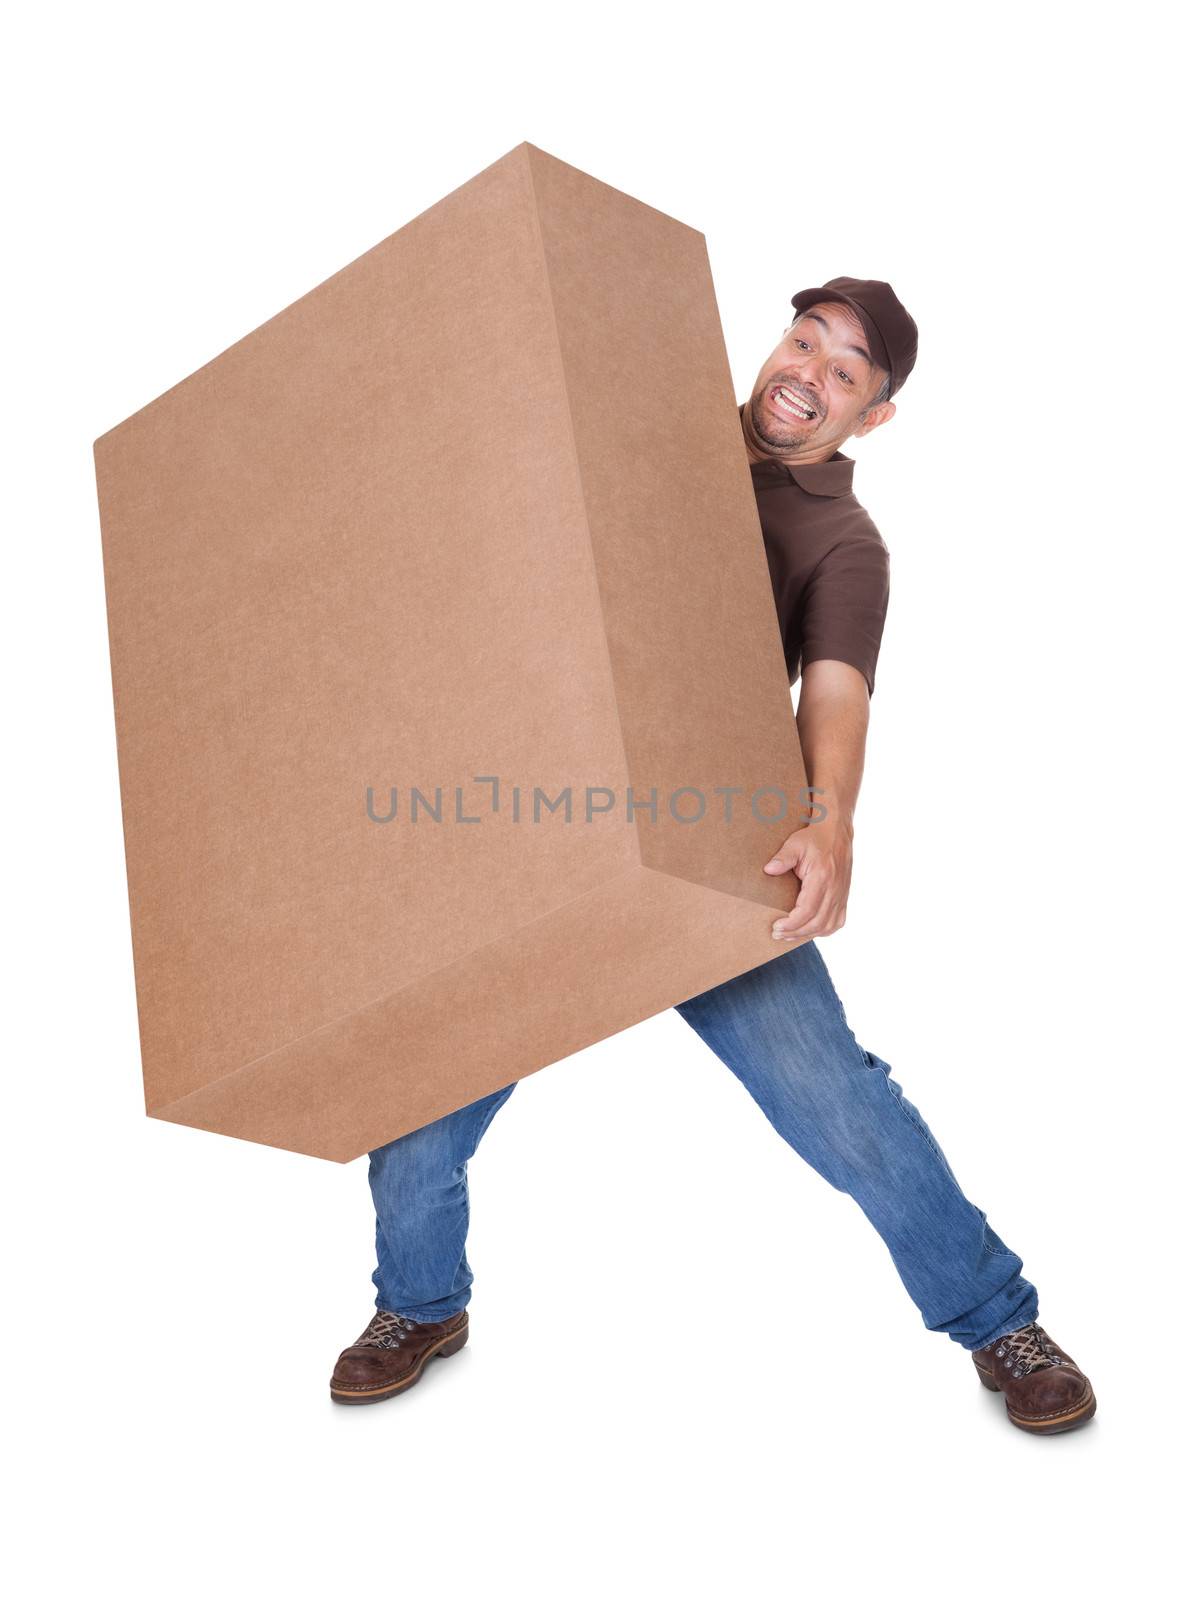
(774, 863)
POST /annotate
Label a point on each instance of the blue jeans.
(782, 1030)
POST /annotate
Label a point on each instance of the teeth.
(792, 402)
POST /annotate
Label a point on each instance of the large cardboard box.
(476, 508)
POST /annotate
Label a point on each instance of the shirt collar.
(832, 477)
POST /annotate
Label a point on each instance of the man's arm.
(832, 720)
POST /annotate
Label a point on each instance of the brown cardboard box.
(476, 507)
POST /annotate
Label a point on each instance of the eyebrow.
(854, 349)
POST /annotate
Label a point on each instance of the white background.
(692, 1370)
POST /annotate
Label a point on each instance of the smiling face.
(817, 389)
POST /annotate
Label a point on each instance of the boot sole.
(369, 1397)
(1060, 1422)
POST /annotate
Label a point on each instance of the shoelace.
(385, 1330)
(1027, 1350)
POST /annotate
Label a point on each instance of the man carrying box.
(781, 1027)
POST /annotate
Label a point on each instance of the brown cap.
(892, 332)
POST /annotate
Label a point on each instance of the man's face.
(812, 392)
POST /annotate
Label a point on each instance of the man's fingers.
(807, 908)
(785, 860)
(827, 921)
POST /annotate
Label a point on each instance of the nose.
(810, 372)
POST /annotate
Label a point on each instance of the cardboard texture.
(477, 506)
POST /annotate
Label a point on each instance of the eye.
(802, 344)
(845, 376)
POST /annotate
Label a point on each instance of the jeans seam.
(865, 1056)
(990, 1248)
(899, 1102)
(912, 1118)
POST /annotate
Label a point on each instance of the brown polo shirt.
(828, 563)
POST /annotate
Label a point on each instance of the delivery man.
(781, 1027)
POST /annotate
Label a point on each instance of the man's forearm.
(832, 726)
(832, 729)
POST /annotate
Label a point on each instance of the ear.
(876, 416)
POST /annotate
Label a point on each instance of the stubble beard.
(787, 436)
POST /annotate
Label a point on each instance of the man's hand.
(820, 856)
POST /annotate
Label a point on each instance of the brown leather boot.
(1044, 1390)
(390, 1355)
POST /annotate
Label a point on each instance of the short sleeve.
(844, 605)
